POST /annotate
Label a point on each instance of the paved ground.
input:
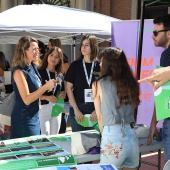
(151, 157)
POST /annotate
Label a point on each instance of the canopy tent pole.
(140, 47)
(142, 16)
(153, 2)
(74, 47)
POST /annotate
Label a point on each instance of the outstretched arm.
(162, 75)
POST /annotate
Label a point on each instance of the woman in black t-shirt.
(79, 77)
(57, 42)
(52, 65)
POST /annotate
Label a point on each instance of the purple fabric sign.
(125, 35)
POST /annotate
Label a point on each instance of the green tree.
(51, 2)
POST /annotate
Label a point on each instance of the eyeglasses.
(155, 33)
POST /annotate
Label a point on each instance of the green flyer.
(61, 138)
(58, 107)
(37, 162)
(162, 101)
(88, 123)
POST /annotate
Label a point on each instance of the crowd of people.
(98, 84)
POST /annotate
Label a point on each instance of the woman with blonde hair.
(28, 89)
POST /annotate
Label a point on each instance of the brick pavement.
(151, 157)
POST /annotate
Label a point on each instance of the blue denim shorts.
(166, 138)
(118, 149)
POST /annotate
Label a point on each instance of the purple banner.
(125, 35)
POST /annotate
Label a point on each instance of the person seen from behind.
(116, 95)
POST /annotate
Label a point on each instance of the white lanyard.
(36, 76)
(54, 89)
(91, 72)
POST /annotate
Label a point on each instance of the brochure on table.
(162, 101)
(83, 167)
(32, 152)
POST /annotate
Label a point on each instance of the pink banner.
(125, 35)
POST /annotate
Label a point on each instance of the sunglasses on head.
(155, 33)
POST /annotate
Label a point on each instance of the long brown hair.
(115, 65)
(59, 66)
(2, 61)
(56, 42)
(93, 45)
(20, 53)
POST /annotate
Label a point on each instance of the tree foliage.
(51, 2)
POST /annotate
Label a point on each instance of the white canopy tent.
(47, 21)
(50, 21)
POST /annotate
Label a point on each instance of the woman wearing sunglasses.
(116, 95)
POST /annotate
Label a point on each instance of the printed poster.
(162, 101)
(32, 152)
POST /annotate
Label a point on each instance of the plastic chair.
(167, 165)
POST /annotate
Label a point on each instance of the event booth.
(46, 21)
